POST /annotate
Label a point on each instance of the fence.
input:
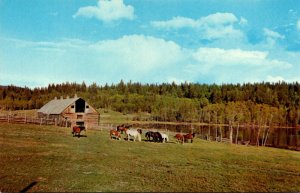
(34, 120)
(46, 121)
(107, 126)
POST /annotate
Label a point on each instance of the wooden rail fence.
(33, 120)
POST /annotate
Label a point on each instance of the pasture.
(47, 158)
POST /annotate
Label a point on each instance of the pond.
(279, 137)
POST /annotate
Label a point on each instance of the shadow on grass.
(80, 136)
(151, 141)
(144, 140)
(28, 187)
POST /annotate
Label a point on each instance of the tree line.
(259, 103)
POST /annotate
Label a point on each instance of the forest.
(256, 103)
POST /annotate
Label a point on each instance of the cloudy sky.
(149, 41)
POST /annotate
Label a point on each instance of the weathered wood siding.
(90, 117)
(51, 116)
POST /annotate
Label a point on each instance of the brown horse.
(189, 136)
(179, 138)
(123, 128)
(77, 130)
(114, 134)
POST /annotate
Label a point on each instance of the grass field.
(45, 158)
(109, 116)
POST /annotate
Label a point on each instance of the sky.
(149, 41)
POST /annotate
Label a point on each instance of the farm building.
(75, 110)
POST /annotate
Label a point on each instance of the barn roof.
(57, 106)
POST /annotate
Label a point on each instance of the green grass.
(58, 162)
(109, 116)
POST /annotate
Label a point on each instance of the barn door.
(80, 106)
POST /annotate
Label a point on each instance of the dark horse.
(77, 130)
(148, 135)
(122, 128)
(156, 136)
(189, 136)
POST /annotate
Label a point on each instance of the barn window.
(72, 106)
(79, 116)
(87, 106)
(80, 106)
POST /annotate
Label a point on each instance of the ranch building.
(75, 110)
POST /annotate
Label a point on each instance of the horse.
(164, 137)
(189, 136)
(140, 131)
(135, 133)
(77, 130)
(115, 134)
(179, 138)
(122, 128)
(148, 135)
(157, 137)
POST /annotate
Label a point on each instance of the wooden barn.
(76, 110)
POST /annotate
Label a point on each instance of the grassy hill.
(49, 159)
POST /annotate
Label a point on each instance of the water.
(279, 137)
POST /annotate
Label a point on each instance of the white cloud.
(212, 57)
(28, 81)
(176, 22)
(233, 65)
(271, 78)
(135, 57)
(274, 78)
(214, 26)
(218, 19)
(223, 32)
(138, 52)
(218, 56)
(272, 37)
(272, 34)
(107, 10)
(243, 21)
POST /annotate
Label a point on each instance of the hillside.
(49, 159)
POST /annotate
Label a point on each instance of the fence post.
(41, 121)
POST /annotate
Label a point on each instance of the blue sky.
(149, 41)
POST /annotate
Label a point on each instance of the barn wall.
(90, 117)
(47, 116)
(41, 115)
